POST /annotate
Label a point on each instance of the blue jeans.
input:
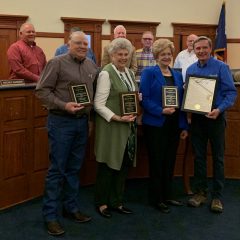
(67, 143)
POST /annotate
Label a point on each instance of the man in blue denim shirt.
(65, 47)
(210, 126)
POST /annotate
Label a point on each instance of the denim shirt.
(226, 92)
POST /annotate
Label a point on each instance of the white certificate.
(199, 94)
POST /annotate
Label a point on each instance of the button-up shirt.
(26, 61)
(59, 74)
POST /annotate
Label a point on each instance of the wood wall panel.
(41, 160)
(23, 149)
(135, 30)
(14, 163)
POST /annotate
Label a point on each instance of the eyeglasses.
(147, 39)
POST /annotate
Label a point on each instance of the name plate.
(12, 82)
(80, 94)
(170, 96)
(199, 94)
(129, 103)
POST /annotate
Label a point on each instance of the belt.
(69, 115)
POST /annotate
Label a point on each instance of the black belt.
(66, 114)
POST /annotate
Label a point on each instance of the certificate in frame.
(170, 96)
(80, 94)
(199, 94)
(129, 103)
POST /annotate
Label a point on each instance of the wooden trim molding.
(135, 26)
(233, 40)
(188, 28)
(50, 35)
(106, 37)
(12, 21)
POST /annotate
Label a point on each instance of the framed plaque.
(170, 96)
(129, 103)
(80, 94)
(199, 94)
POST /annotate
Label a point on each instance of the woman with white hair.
(115, 142)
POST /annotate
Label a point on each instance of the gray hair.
(119, 43)
(201, 38)
(23, 26)
(73, 34)
(160, 45)
(237, 76)
(117, 27)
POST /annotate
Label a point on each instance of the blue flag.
(220, 51)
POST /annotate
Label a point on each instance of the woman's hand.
(168, 110)
(126, 118)
(140, 97)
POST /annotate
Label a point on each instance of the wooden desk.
(24, 148)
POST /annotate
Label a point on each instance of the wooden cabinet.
(24, 148)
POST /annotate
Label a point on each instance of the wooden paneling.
(9, 30)
(23, 147)
(135, 30)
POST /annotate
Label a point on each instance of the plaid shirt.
(144, 59)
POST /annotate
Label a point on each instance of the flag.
(220, 51)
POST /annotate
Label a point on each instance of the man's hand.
(183, 134)
(213, 114)
(73, 107)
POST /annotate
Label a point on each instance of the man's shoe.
(162, 207)
(175, 203)
(104, 212)
(54, 228)
(197, 200)
(77, 216)
(216, 206)
(123, 210)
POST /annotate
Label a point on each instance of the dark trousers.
(67, 142)
(110, 184)
(204, 130)
(162, 143)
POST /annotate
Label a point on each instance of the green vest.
(111, 137)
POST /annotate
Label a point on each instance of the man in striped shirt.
(144, 55)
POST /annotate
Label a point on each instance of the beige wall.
(46, 14)
(49, 45)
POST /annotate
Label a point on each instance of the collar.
(203, 65)
(75, 59)
(147, 50)
(32, 44)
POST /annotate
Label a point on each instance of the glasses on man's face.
(147, 39)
